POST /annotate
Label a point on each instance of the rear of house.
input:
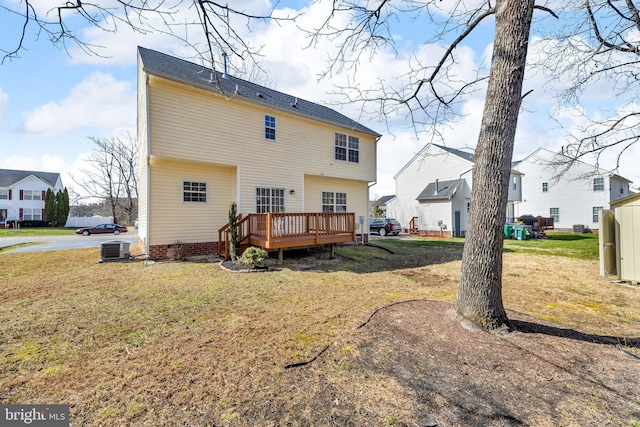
(208, 139)
(573, 199)
(433, 192)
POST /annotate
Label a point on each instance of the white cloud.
(98, 101)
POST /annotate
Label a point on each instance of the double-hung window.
(545, 187)
(32, 214)
(270, 127)
(347, 148)
(269, 199)
(334, 201)
(598, 184)
(194, 191)
(555, 214)
(4, 194)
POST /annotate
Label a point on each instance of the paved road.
(60, 243)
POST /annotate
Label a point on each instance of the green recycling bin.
(508, 231)
(520, 232)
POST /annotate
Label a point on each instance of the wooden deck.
(280, 231)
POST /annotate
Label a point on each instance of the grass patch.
(37, 231)
(190, 343)
(578, 246)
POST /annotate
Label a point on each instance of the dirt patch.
(542, 374)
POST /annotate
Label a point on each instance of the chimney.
(224, 57)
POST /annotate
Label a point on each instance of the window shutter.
(21, 197)
(9, 194)
(44, 194)
(42, 216)
(21, 211)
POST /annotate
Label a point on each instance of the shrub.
(254, 257)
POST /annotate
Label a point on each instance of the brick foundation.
(434, 233)
(191, 249)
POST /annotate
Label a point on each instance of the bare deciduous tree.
(217, 25)
(113, 176)
(596, 50)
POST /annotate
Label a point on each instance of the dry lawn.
(187, 343)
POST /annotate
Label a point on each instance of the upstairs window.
(4, 194)
(270, 127)
(347, 148)
(545, 187)
(515, 183)
(354, 149)
(334, 201)
(598, 184)
(27, 195)
(194, 191)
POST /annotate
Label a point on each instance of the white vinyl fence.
(88, 221)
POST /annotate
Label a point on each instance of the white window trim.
(335, 204)
(275, 133)
(206, 192)
(270, 188)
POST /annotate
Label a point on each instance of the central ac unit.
(114, 250)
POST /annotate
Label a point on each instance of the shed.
(627, 237)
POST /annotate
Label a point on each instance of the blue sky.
(51, 101)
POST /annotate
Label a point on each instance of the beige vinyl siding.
(194, 124)
(357, 194)
(174, 220)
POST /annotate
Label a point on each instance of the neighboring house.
(380, 205)
(22, 193)
(575, 198)
(208, 139)
(433, 192)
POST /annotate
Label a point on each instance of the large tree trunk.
(479, 299)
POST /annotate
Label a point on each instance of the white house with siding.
(22, 193)
(433, 192)
(208, 139)
(575, 198)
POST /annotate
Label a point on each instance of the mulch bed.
(542, 374)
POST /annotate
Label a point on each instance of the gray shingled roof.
(467, 156)
(383, 200)
(176, 69)
(8, 177)
(445, 190)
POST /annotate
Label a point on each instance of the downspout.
(148, 136)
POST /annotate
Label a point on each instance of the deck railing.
(290, 230)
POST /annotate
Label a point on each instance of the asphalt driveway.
(61, 243)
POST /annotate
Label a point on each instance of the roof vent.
(295, 103)
(237, 89)
(259, 95)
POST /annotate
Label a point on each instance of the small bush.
(254, 257)
(178, 252)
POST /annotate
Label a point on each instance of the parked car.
(384, 226)
(101, 229)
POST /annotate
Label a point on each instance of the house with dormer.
(433, 192)
(299, 172)
(22, 194)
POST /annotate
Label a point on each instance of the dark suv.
(384, 226)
